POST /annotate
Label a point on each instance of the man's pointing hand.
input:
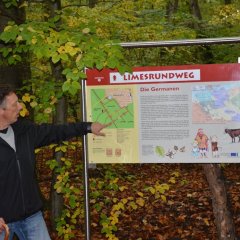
(97, 128)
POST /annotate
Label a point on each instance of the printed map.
(216, 103)
(113, 105)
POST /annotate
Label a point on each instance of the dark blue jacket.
(19, 191)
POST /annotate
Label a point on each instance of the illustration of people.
(195, 149)
(202, 140)
(214, 145)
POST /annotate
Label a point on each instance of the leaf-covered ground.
(149, 212)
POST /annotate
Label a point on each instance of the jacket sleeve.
(46, 134)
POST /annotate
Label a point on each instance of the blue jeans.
(31, 228)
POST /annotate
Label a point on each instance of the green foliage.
(72, 196)
(75, 50)
(10, 3)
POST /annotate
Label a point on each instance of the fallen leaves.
(186, 213)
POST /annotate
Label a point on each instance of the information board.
(172, 114)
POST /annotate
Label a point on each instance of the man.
(20, 202)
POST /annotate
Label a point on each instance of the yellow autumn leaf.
(57, 149)
(24, 4)
(133, 205)
(206, 221)
(130, 198)
(122, 188)
(86, 30)
(48, 110)
(24, 112)
(59, 189)
(19, 38)
(61, 49)
(30, 29)
(110, 236)
(68, 214)
(172, 180)
(33, 104)
(53, 101)
(140, 202)
(63, 148)
(115, 180)
(163, 197)
(37, 150)
(114, 219)
(52, 145)
(7, 28)
(118, 207)
(26, 97)
(59, 178)
(176, 174)
(78, 57)
(140, 194)
(71, 22)
(152, 190)
(68, 48)
(72, 44)
(124, 200)
(121, 206)
(34, 40)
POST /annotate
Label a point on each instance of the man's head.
(9, 106)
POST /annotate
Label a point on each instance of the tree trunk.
(172, 7)
(228, 2)
(92, 3)
(60, 118)
(57, 199)
(223, 217)
(195, 10)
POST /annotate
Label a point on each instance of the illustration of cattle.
(233, 133)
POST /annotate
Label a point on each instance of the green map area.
(113, 106)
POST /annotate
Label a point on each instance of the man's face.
(10, 109)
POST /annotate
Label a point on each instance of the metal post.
(85, 169)
(181, 42)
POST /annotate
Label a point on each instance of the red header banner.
(165, 74)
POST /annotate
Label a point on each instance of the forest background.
(45, 47)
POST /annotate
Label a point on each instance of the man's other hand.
(2, 225)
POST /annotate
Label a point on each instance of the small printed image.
(216, 103)
(175, 150)
(109, 152)
(200, 144)
(118, 152)
(214, 146)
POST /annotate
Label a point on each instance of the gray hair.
(5, 90)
